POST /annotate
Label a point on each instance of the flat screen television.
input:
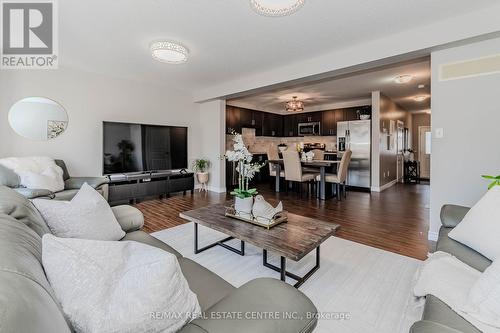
(133, 148)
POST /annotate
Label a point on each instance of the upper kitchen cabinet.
(272, 124)
(351, 114)
(290, 125)
(232, 119)
(238, 118)
(310, 117)
(328, 122)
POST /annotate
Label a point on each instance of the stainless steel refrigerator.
(356, 136)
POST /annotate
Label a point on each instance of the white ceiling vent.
(470, 68)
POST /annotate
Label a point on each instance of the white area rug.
(372, 285)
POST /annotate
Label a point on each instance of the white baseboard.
(217, 189)
(432, 236)
(211, 188)
(385, 186)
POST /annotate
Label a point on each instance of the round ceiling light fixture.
(402, 79)
(276, 8)
(169, 52)
(420, 98)
(294, 105)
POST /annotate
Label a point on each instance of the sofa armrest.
(75, 183)
(425, 326)
(262, 305)
(130, 218)
(33, 193)
(452, 215)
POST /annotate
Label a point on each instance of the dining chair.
(294, 173)
(318, 154)
(339, 180)
(272, 154)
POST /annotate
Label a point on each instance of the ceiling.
(226, 38)
(350, 90)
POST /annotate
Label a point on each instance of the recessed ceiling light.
(276, 8)
(421, 86)
(405, 78)
(169, 52)
(420, 98)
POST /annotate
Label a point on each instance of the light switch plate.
(439, 133)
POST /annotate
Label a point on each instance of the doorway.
(424, 151)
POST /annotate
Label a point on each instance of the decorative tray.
(267, 223)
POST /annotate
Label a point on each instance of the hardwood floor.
(395, 220)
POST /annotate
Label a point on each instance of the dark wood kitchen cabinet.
(246, 119)
(272, 124)
(290, 125)
(309, 117)
(232, 119)
(328, 123)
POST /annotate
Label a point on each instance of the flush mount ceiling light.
(420, 98)
(276, 8)
(402, 79)
(169, 52)
(294, 105)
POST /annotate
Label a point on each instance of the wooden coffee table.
(291, 240)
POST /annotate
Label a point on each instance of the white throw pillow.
(480, 228)
(36, 172)
(87, 216)
(484, 297)
(117, 286)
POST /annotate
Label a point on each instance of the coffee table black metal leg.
(284, 273)
(197, 250)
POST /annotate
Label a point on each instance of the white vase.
(243, 206)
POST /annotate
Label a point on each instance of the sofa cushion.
(8, 177)
(21, 209)
(62, 165)
(208, 286)
(26, 307)
(462, 252)
(264, 295)
(145, 238)
(437, 311)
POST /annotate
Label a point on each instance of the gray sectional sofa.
(438, 317)
(27, 302)
(71, 184)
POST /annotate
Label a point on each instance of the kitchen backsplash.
(261, 144)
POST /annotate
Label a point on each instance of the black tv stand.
(129, 188)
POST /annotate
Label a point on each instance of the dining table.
(320, 164)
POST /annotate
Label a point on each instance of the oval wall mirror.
(38, 118)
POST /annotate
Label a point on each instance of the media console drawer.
(179, 184)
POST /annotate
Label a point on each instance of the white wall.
(89, 99)
(469, 112)
(213, 141)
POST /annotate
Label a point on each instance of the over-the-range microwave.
(308, 129)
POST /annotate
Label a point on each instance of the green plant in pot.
(200, 166)
(495, 181)
(243, 195)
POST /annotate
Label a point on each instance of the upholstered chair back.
(293, 168)
(319, 154)
(344, 166)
